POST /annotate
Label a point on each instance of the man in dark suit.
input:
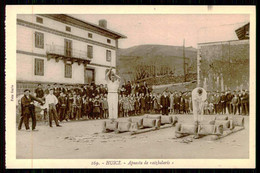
(165, 103)
(147, 103)
(28, 110)
(223, 101)
(39, 91)
(128, 88)
(177, 100)
(229, 97)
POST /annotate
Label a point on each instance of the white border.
(11, 11)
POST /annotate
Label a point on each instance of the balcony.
(58, 52)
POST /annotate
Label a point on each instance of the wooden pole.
(184, 71)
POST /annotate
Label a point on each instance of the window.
(68, 28)
(89, 76)
(39, 20)
(90, 35)
(68, 71)
(108, 41)
(39, 67)
(39, 40)
(90, 51)
(108, 55)
(68, 48)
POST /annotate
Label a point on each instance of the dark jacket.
(165, 101)
(39, 92)
(27, 105)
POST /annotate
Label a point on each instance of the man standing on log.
(199, 96)
(113, 82)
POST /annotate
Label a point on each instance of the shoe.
(28, 130)
(50, 126)
(59, 126)
(35, 130)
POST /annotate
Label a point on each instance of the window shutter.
(39, 67)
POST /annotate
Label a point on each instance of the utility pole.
(184, 71)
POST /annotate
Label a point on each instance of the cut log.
(137, 120)
(148, 122)
(133, 127)
(206, 129)
(123, 126)
(221, 117)
(110, 126)
(166, 119)
(237, 120)
(226, 124)
(208, 118)
(210, 129)
(153, 116)
(189, 129)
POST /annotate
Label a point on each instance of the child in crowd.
(78, 107)
(105, 107)
(126, 106)
(96, 108)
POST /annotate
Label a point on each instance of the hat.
(27, 90)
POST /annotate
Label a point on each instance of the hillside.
(158, 50)
(147, 61)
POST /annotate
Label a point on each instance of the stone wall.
(227, 60)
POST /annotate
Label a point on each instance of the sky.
(170, 29)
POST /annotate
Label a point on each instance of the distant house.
(58, 48)
(243, 32)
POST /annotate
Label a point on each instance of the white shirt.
(113, 86)
(51, 99)
(197, 97)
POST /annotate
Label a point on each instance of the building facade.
(58, 48)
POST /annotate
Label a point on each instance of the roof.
(84, 25)
(243, 32)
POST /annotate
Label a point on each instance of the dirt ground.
(84, 140)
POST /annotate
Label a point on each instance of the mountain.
(157, 50)
(154, 59)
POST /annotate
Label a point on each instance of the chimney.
(103, 23)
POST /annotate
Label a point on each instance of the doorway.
(89, 75)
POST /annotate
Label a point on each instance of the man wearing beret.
(28, 110)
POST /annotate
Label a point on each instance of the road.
(84, 140)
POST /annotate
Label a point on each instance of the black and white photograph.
(120, 88)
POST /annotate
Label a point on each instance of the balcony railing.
(69, 53)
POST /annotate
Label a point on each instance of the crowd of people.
(136, 102)
(67, 102)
